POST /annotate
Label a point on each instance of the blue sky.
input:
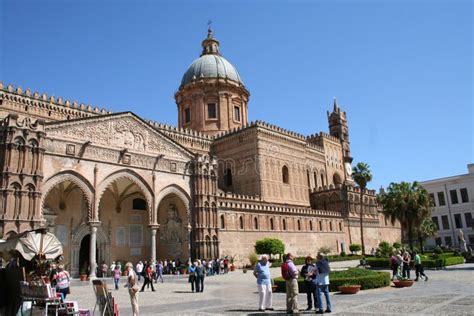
(403, 70)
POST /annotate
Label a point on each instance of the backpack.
(285, 273)
(393, 261)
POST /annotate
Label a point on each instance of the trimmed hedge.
(365, 278)
(429, 262)
(301, 260)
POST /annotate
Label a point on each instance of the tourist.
(200, 274)
(307, 273)
(112, 268)
(165, 267)
(399, 264)
(53, 271)
(173, 266)
(394, 265)
(119, 265)
(290, 274)
(62, 281)
(192, 274)
(132, 287)
(117, 273)
(226, 265)
(419, 271)
(139, 269)
(217, 266)
(264, 284)
(322, 280)
(159, 271)
(104, 269)
(406, 265)
(148, 278)
(210, 270)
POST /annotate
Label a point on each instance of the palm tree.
(407, 203)
(362, 175)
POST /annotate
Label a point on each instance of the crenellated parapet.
(47, 107)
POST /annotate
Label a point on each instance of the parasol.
(32, 243)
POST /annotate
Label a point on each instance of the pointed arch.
(69, 175)
(179, 192)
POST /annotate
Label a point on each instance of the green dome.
(211, 66)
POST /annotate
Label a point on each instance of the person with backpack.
(289, 272)
(322, 280)
(419, 271)
(262, 273)
(306, 273)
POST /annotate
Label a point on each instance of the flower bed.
(365, 278)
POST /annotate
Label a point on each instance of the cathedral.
(115, 186)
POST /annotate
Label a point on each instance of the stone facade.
(113, 186)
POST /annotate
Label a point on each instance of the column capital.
(94, 223)
(154, 226)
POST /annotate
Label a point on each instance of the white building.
(453, 198)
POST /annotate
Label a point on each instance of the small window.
(448, 241)
(228, 177)
(211, 111)
(222, 222)
(307, 179)
(468, 218)
(320, 226)
(187, 115)
(284, 224)
(454, 196)
(340, 226)
(445, 221)
(241, 222)
(272, 227)
(285, 175)
(139, 204)
(299, 225)
(464, 195)
(255, 223)
(315, 180)
(237, 113)
(441, 199)
(311, 225)
(330, 226)
(458, 220)
(435, 221)
(322, 180)
(432, 199)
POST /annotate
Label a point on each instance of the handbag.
(135, 288)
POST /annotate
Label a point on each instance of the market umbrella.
(32, 243)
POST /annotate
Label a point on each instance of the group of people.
(401, 265)
(316, 281)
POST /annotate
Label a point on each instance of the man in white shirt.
(139, 269)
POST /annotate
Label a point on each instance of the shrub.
(355, 248)
(271, 246)
(379, 262)
(384, 249)
(253, 258)
(343, 253)
(324, 250)
(397, 245)
(453, 260)
(438, 250)
(365, 278)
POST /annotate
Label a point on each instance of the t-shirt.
(263, 273)
(117, 273)
(417, 259)
(292, 270)
(62, 280)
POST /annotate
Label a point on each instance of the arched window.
(139, 204)
(299, 225)
(330, 226)
(322, 179)
(315, 180)
(340, 226)
(228, 177)
(285, 174)
(310, 225)
(241, 222)
(222, 221)
(272, 227)
(284, 224)
(307, 178)
(336, 178)
(320, 226)
(255, 223)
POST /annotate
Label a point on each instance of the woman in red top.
(148, 278)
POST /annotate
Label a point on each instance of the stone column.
(154, 229)
(93, 250)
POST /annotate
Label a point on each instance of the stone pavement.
(448, 292)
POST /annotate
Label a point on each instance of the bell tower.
(212, 97)
(338, 128)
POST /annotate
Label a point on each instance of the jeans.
(419, 271)
(200, 283)
(406, 270)
(148, 282)
(116, 281)
(320, 290)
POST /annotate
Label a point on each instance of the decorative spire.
(336, 107)
(210, 46)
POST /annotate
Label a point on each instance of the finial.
(209, 29)
(335, 104)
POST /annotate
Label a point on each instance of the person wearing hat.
(309, 275)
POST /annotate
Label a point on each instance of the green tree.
(355, 247)
(407, 203)
(397, 245)
(271, 246)
(362, 175)
(384, 250)
(427, 229)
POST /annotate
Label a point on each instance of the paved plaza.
(448, 292)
